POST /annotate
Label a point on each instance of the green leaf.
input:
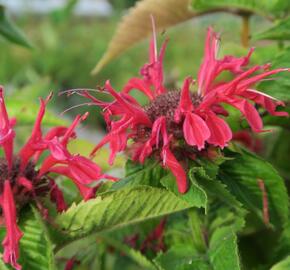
(10, 31)
(214, 188)
(3, 266)
(279, 152)
(182, 257)
(223, 249)
(241, 176)
(263, 8)
(135, 255)
(280, 31)
(119, 208)
(279, 88)
(196, 227)
(36, 249)
(137, 174)
(195, 194)
(220, 254)
(283, 265)
(283, 247)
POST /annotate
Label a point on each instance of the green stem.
(245, 34)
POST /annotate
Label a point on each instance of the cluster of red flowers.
(22, 179)
(175, 125)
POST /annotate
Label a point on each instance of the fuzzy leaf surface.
(136, 25)
(241, 175)
(120, 208)
(36, 248)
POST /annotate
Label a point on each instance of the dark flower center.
(165, 105)
(22, 195)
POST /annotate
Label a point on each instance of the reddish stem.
(262, 187)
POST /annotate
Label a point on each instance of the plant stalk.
(245, 33)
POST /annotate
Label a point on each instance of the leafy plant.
(193, 189)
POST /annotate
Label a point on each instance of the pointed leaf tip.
(137, 25)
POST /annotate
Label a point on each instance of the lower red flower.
(21, 181)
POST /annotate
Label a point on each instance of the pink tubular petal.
(7, 133)
(207, 71)
(86, 192)
(211, 67)
(56, 196)
(152, 72)
(23, 181)
(35, 143)
(170, 162)
(70, 130)
(84, 169)
(218, 109)
(131, 109)
(168, 158)
(220, 132)
(195, 130)
(248, 82)
(234, 64)
(249, 111)
(117, 137)
(246, 138)
(185, 103)
(13, 233)
(137, 83)
(71, 263)
(154, 139)
(104, 141)
(55, 132)
(266, 101)
(57, 150)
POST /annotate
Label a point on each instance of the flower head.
(177, 124)
(24, 178)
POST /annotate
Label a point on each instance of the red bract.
(21, 182)
(176, 125)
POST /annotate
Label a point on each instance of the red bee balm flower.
(175, 125)
(21, 181)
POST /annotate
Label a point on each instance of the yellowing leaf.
(136, 25)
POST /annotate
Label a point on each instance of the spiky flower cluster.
(24, 178)
(176, 125)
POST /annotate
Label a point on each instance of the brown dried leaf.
(136, 25)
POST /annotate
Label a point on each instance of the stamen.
(154, 37)
(76, 106)
(70, 92)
